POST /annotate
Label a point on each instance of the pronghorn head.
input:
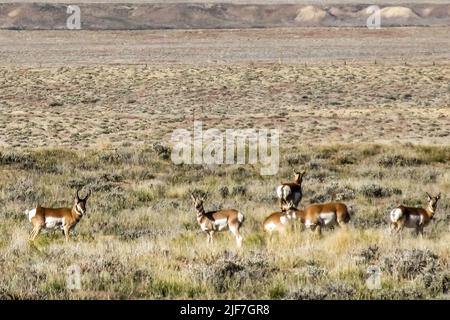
(298, 176)
(432, 201)
(79, 204)
(198, 203)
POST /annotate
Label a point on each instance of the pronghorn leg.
(237, 234)
(399, 229)
(66, 232)
(392, 227)
(342, 225)
(270, 238)
(34, 233)
(319, 230)
(294, 227)
(419, 231)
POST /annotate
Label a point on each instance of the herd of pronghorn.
(314, 216)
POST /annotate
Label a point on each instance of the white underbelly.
(221, 224)
(413, 221)
(54, 223)
(327, 218)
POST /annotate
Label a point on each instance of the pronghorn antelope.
(316, 216)
(416, 218)
(60, 218)
(290, 193)
(279, 221)
(220, 220)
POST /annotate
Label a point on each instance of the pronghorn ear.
(438, 196)
(428, 195)
(193, 197)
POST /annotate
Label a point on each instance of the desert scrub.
(229, 272)
(21, 159)
(388, 161)
(376, 191)
(25, 190)
(141, 226)
(424, 267)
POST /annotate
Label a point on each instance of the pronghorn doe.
(316, 216)
(59, 218)
(416, 218)
(290, 193)
(279, 221)
(219, 220)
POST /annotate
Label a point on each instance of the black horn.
(88, 195)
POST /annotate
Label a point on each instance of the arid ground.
(365, 112)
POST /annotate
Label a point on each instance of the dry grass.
(123, 105)
(373, 135)
(141, 240)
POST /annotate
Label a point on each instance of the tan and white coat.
(290, 193)
(316, 216)
(64, 219)
(411, 217)
(219, 220)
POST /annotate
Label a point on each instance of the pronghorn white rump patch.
(327, 217)
(270, 226)
(53, 223)
(283, 191)
(396, 214)
(240, 217)
(31, 214)
(279, 191)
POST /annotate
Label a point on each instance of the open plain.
(365, 112)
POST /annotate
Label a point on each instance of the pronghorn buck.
(57, 218)
(280, 221)
(316, 216)
(290, 193)
(416, 218)
(220, 220)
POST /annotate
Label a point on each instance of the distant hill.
(135, 16)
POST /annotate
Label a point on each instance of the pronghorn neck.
(76, 212)
(200, 212)
(430, 210)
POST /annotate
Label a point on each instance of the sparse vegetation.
(125, 248)
(351, 125)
